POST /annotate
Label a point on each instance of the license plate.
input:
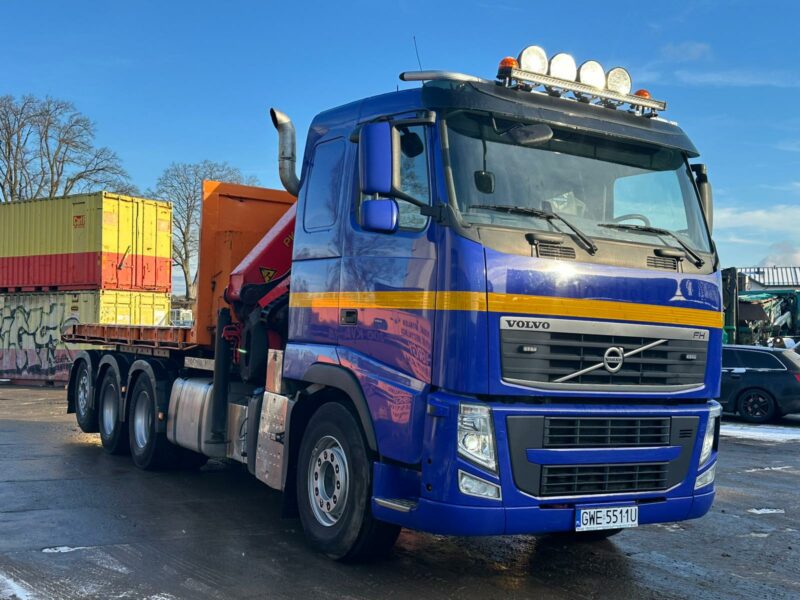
(611, 517)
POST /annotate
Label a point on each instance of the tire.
(85, 410)
(150, 450)
(342, 527)
(757, 406)
(586, 536)
(113, 430)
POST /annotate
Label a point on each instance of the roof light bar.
(581, 88)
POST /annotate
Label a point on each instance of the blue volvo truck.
(501, 314)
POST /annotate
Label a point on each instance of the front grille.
(662, 262)
(555, 352)
(593, 432)
(555, 251)
(600, 479)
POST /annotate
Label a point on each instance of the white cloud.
(788, 145)
(738, 78)
(685, 52)
(782, 254)
(778, 219)
(792, 187)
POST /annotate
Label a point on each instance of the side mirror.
(380, 215)
(706, 196)
(376, 158)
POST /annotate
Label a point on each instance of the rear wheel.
(757, 406)
(113, 431)
(334, 489)
(85, 411)
(149, 448)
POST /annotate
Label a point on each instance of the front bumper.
(438, 506)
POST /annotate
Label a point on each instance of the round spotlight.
(562, 66)
(592, 73)
(534, 60)
(619, 80)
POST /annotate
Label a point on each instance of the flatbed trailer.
(392, 344)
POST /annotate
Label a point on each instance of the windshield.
(594, 182)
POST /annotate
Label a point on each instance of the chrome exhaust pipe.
(287, 150)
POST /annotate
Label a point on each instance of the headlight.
(619, 80)
(475, 486)
(706, 478)
(708, 438)
(591, 73)
(534, 60)
(562, 66)
(476, 435)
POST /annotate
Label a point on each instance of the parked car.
(759, 383)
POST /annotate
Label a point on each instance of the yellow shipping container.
(88, 241)
(31, 326)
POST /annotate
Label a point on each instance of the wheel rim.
(110, 409)
(83, 392)
(756, 405)
(142, 415)
(328, 480)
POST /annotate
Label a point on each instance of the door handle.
(348, 316)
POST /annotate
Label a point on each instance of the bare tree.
(47, 150)
(182, 184)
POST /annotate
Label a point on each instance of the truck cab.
(525, 291)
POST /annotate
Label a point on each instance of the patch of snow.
(60, 549)
(11, 589)
(768, 469)
(762, 433)
(766, 511)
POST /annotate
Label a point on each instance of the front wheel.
(334, 489)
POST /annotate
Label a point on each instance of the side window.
(413, 175)
(322, 189)
(760, 360)
(729, 359)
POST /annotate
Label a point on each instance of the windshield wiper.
(696, 258)
(590, 246)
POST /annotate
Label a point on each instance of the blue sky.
(186, 81)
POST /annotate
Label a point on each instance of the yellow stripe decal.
(511, 303)
(603, 309)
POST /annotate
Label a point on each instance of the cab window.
(322, 190)
(413, 176)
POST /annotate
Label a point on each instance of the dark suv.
(759, 383)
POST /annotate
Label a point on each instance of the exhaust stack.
(287, 153)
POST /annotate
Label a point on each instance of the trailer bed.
(168, 338)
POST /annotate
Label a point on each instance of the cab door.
(387, 305)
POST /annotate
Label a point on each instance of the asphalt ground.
(77, 523)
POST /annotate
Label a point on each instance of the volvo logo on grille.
(613, 359)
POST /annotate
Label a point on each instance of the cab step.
(399, 504)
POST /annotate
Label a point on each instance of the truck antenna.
(416, 50)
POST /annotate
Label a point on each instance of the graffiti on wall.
(30, 340)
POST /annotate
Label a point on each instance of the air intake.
(662, 262)
(555, 251)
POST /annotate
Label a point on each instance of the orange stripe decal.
(511, 303)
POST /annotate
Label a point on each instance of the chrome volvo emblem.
(613, 359)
